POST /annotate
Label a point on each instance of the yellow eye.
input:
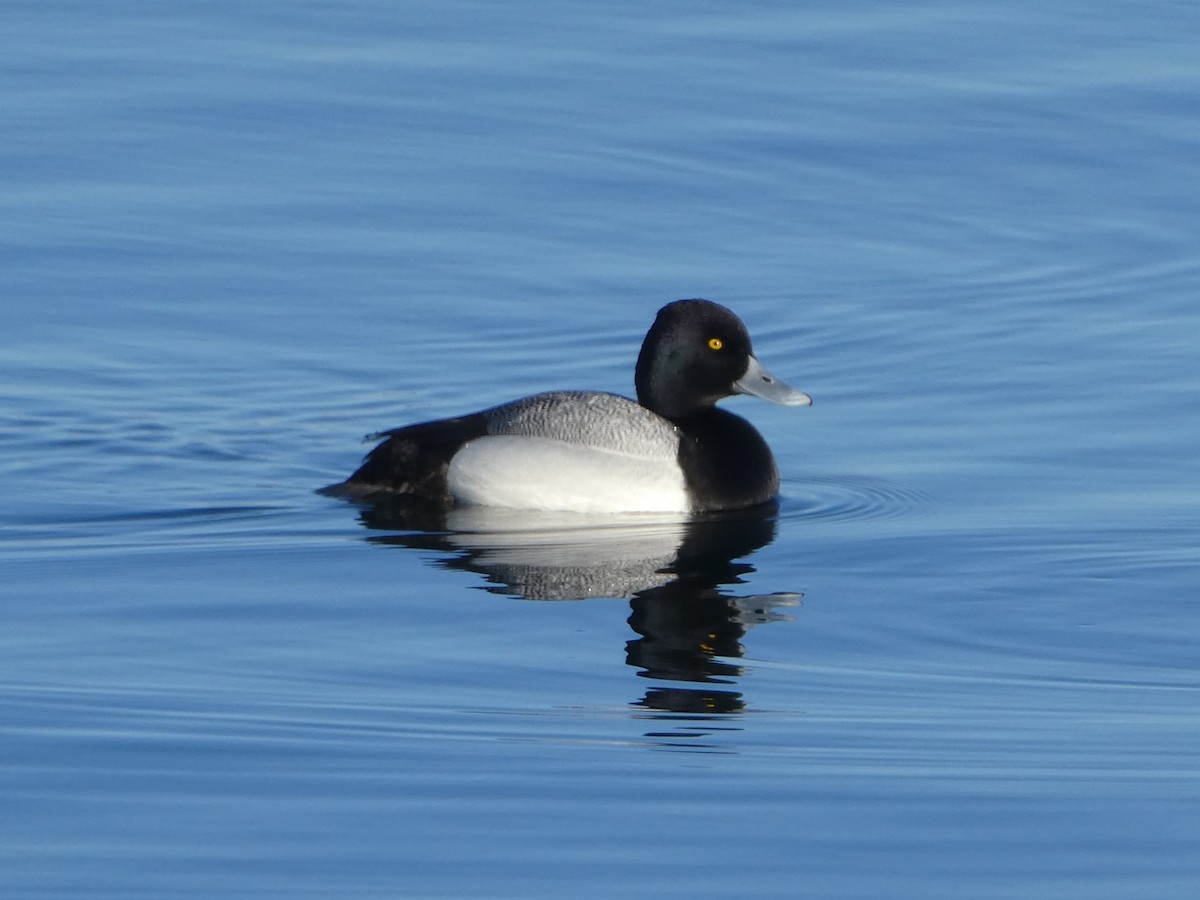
(715, 343)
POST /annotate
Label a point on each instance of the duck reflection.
(672, 571)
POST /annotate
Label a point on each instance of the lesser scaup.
(586, 451)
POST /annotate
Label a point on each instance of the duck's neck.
(654, 383)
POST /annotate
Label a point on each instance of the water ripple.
(847, 498)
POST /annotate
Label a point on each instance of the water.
(959, 661)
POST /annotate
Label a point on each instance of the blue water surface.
(960, 659)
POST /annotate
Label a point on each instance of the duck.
(672, 450)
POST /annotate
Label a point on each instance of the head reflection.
(673, 572)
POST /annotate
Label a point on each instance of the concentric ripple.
(847, 498)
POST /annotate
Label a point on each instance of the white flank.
(521, 472)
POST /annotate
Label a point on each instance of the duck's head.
(698, 352)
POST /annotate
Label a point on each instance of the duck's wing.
(415, 459)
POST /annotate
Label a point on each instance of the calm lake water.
(961, 659)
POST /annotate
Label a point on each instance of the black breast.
(726, 463)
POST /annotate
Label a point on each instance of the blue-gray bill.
(761, 383)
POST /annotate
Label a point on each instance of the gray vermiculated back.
(591, 418)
